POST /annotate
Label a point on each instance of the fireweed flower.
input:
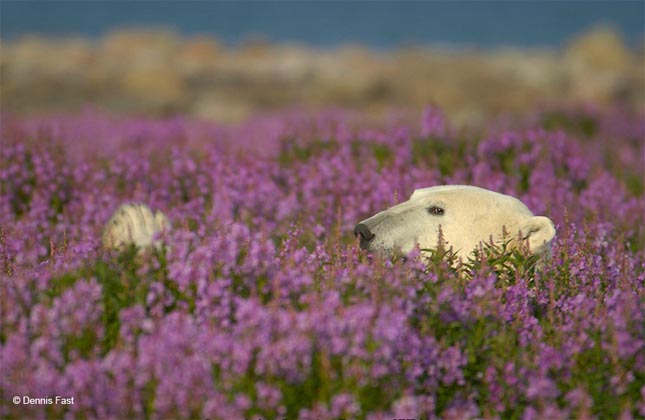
(263, 306)
(433, 122)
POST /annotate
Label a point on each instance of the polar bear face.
(466, 216)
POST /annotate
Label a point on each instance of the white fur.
(134, 223)
(471, 215)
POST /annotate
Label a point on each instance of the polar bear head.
(466, 216)
(134, 224)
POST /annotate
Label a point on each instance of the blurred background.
(224, 61)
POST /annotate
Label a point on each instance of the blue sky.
(381, 24)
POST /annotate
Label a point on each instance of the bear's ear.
(419, 193)
(162, 221)
(539, 232)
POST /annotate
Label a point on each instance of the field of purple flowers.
(263, 306)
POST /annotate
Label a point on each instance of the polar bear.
(466, 215)
(134, 224)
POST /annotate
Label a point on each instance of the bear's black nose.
(364, 231)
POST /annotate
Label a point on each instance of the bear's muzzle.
(365, 234)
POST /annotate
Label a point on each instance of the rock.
(156, 72)
(601, 48)
(197, 57)
(142, 49)
(598, 65)
(36, 57)
(160, 89)
(217, 108)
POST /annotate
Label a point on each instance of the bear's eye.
(435, 211)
